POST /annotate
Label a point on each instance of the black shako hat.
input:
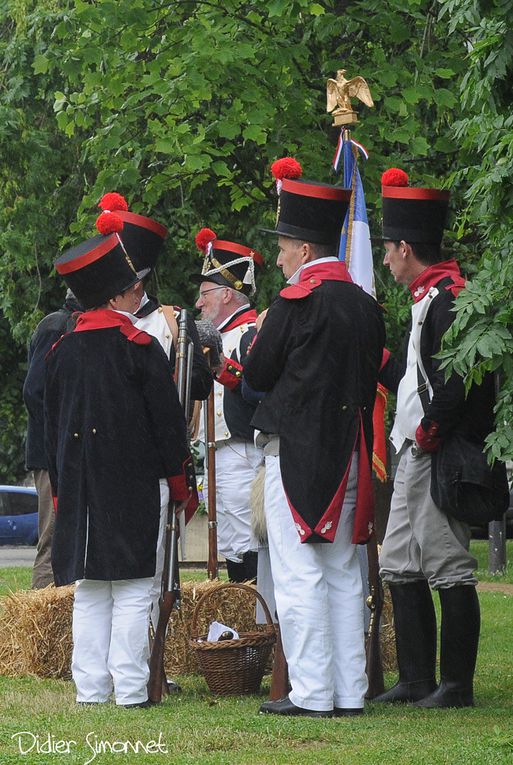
(311, 211)
(97, 270)
(142, 237)
(412, 214)
(226, 263)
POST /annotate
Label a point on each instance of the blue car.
(18, 515)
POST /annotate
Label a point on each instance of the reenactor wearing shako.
(143, 239)
(423, 547)
(317, 356)
(114, 427)
(225, 284)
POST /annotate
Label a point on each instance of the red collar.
(435, 273)
(104, 318)
(313, 276)
(248, 316)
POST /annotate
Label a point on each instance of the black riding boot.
(250, 563)
(415, 640)
(458, 649)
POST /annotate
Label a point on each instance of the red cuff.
(54, 500)
(428, 440)
(231, 374)
(178, 487)
(384, 358)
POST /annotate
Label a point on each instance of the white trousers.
(110, 640)
(318, 591)
(237, 463)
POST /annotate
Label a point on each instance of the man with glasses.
(226, 281)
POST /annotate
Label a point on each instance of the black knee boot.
(415, 640)
(458, 648)
(250, 564)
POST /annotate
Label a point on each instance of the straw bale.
(35, 628)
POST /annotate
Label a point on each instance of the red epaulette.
(301, 290)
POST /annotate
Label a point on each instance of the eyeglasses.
(213, 289)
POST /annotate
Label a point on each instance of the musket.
(170, 585)
(374, 665)
(210, 464)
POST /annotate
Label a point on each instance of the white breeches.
(318, 591)
(237, 463)
(110, 640)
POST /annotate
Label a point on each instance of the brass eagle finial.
(339, 93)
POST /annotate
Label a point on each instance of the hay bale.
(35, 629)
(35, 632)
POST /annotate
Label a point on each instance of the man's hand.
(260, 320)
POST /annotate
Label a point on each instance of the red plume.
(109, 223)
(113, 201)
(287, 167)
(203, 238)
(394, 177)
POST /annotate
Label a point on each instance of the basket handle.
(226, 586)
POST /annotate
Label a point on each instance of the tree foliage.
(481, 337)
(182, 106)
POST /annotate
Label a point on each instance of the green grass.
(479, 548)
(198, 729)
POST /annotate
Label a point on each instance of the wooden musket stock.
(374, 666)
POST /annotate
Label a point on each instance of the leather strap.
(169, 315)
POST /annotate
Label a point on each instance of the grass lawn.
(194, 728)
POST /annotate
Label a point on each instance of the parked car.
(18, 515)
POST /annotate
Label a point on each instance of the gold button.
(344, 407)
(218, 413)
(237, 374)
(75, 435)
(160, 309)
(226, 433)
(94, 431)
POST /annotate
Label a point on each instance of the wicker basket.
(233, 667)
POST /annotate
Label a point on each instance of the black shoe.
(173, 687)
(286, 707)
(347, 711)
(140, 705)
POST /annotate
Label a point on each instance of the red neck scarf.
(333, 270)
(435, 273)
(104, 318)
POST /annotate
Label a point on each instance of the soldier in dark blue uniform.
(114, 426)
(317, 357)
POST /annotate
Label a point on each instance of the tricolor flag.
(355, 249)
(355, 246)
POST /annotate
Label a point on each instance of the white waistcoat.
(409, 406)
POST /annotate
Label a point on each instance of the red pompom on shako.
(394, 176)
(109, 223)
(286, 167)
(203, 238)
(113, 201)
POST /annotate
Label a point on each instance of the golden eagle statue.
(339, 93)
